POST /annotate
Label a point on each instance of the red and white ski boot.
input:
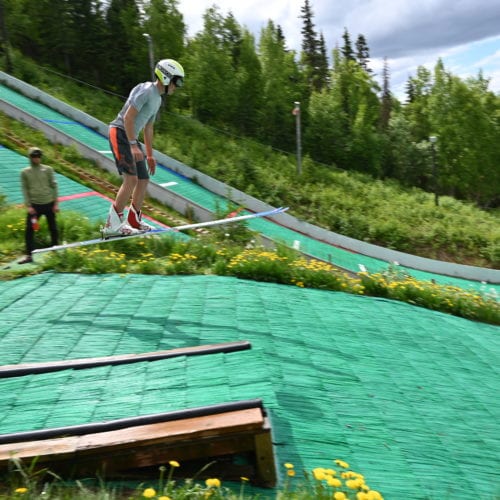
(116, 225)
(135, 220)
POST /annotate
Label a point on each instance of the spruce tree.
(314, 58)
(346, 50)
(363, 53)
(128, 66)
(323, 69)
(385, 110)
(309, 41)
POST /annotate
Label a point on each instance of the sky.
(465, 34)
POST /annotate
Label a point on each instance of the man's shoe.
(116, 225)
(134, 218)
(123, 229)
(28, 259)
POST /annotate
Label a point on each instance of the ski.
(162, 231)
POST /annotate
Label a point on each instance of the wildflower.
(174, 463)
(354, 484)
(289, 465)
(164, 498)
(334, 482)
(319, 474)
(21, 491)
(149, 493)
(374, 495)
(342, 464)
(213, 482)
(290, 473)
(338, 495)
(244, 479)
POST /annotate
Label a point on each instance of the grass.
(337, 482)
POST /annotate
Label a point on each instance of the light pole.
(433, 140)
(296, 112)
(151, 56)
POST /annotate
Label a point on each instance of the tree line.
(248, 86)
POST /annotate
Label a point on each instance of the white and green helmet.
(168, 70)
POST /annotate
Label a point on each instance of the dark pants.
(48, 211)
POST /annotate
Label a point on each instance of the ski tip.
(280, 210)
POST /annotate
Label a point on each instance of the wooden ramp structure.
(233, 437)
(193, 437)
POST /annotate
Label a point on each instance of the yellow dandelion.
(334, 482)
(21, 491)
(290, 473)
(244, 479)
(319, 474)
(342, 464)
(174, 463)
(353, 484)
(339, 495)
(213, 482)
(374, 495)
(149, 493)
(163, 497)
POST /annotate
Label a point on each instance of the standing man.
(135, 165)
(40, 196)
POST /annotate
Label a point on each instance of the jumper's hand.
(137, 153)
(151, 164)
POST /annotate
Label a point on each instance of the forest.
(247, 86)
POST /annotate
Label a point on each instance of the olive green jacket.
(39, 185)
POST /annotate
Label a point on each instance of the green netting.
(404, 394)
(75, 397)
(94, 207)
(34, 108)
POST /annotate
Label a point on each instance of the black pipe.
(80, 364)
(122, 423)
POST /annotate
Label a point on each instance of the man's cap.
(34, 150)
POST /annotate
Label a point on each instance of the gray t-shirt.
(147, 100)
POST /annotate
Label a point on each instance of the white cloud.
(408, 33)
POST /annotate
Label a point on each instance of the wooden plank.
(264, 456)
(173, 431)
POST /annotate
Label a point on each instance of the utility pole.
(151, 55)
(296, 112)
(433, 140)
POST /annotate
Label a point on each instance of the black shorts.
(124, 159)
